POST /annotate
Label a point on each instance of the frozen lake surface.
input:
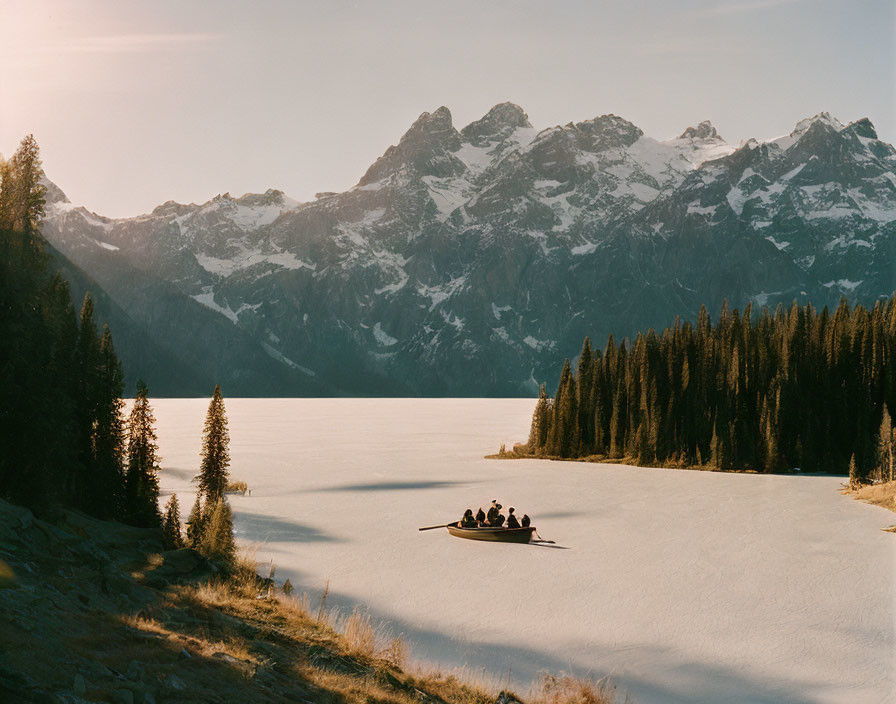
(684, 586)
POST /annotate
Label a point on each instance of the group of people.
(493, 519)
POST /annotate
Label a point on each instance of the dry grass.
(461, 687)
(236, 487)
(395, 653)
(360, 636)
(877, 494)
(369, 642)
(883, 495)
(354, 658)
(568, 689)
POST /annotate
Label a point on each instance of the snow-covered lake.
(683, 586)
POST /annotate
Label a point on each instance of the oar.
(540, 539)
(434, 527)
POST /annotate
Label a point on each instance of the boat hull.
(494, 535)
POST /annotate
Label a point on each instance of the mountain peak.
(425, 148)
(863, 128)
(432, 127)
(54, 193)
(705, 130)
(438, 120)
(823, 118)
(607, 131)
(497, 123)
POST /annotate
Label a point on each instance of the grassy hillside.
(93, 611)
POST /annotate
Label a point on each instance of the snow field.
(684, 586)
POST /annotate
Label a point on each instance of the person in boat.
(468, 521)
(511, 519)
(493, 513)
(526, 521)
(480, 517)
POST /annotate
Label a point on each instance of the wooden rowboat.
(495, 535)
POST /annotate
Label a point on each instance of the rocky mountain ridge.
(471, 261)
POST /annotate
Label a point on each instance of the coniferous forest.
(64, 438)
(767, 392)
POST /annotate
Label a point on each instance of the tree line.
(64, 439)
(766, 392)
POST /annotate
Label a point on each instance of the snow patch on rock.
(384, 338)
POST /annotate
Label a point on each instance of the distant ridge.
(471, 262)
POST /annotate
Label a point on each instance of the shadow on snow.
(256, 527)
(394, 486)
(699, 682)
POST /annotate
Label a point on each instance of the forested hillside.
(796, 388)
(62, 433)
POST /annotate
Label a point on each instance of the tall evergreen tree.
(38, 392)
(563, 439)
(171, 531)
(194, 523)
(213, 469)
(106, 493)
(142, 481)
(538, 434)
(854, 480)
(88, 362)
(585, 400)
(885, 447)
(22, 195)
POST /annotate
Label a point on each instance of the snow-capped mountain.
(471, 262)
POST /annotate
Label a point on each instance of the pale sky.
(135, 103)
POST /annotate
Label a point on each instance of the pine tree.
(194, 523)
(854, 481)
(564, 427)
(106, 497)
(885, 447)
(22, 195)
(617, 423)
(171, 532)
(771, 453)
(538, 433)
(36, 430)
(217, 535)
(142, 481)
(715, 451)
(585, 400)
(89, 362)
(213, 469)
